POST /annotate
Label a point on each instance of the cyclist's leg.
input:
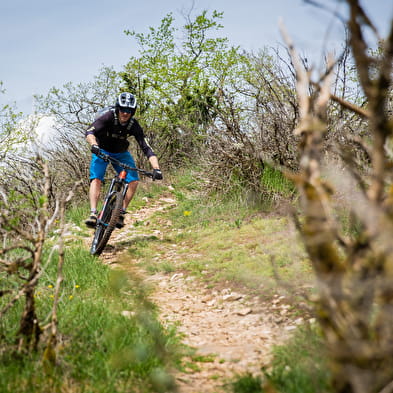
(97, 173)
(94, 193)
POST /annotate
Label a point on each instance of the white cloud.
(46, 132)
(37, 134)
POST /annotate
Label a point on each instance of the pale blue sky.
(46, 43)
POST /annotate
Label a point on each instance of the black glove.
(95, 149)
(157, 174)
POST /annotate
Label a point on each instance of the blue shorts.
(98, 166)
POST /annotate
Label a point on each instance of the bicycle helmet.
(126, 102)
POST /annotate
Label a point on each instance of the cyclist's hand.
(95, 149)
(157, 174)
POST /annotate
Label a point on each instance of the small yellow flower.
(76, 286)
(71, 297)
(50, 286)
(51, 296)
(187, 213)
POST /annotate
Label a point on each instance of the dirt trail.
(231, 332)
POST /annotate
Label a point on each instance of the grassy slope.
(229, 244)
(225, 241)
(100, 348)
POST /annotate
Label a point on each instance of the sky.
(47, 43)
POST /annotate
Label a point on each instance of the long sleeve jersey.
(112, 136)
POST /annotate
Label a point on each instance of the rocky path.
(231, 332)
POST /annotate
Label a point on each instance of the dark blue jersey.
(112, 136)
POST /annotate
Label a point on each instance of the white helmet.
(126, 102)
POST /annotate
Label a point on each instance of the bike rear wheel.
(107, 223)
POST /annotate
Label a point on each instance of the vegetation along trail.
(231, 331)
(277, 204)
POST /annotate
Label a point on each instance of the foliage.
(177, 83)
(11, 134)
(231, 115)
(73, 107)
(247, 384)
(299, 365)
(25, 219)
(250, 247)
(199, 100)
(253, 127)
(109, 338)
(47, 343)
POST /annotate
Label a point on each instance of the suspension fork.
(122, 177)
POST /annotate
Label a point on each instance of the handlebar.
(107, 158)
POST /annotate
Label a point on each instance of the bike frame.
(118, 184)
(112, 205)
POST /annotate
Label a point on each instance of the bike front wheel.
(106, 223)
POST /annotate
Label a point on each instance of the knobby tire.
(109, 217)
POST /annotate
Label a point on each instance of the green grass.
(219, 240)
(276, 182)
(100, 349)
(298, 366)
(247, 383)
(250, 251)
(78, 212)
(232, 243)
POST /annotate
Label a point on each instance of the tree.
(10, 133)
(177, 83)
(73, 108)
(353, 258)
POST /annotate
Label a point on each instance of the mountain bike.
(112, 205)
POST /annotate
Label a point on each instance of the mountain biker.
(108, 133)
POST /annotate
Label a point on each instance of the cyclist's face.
(124, 117)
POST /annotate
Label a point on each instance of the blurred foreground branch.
(353, 261)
